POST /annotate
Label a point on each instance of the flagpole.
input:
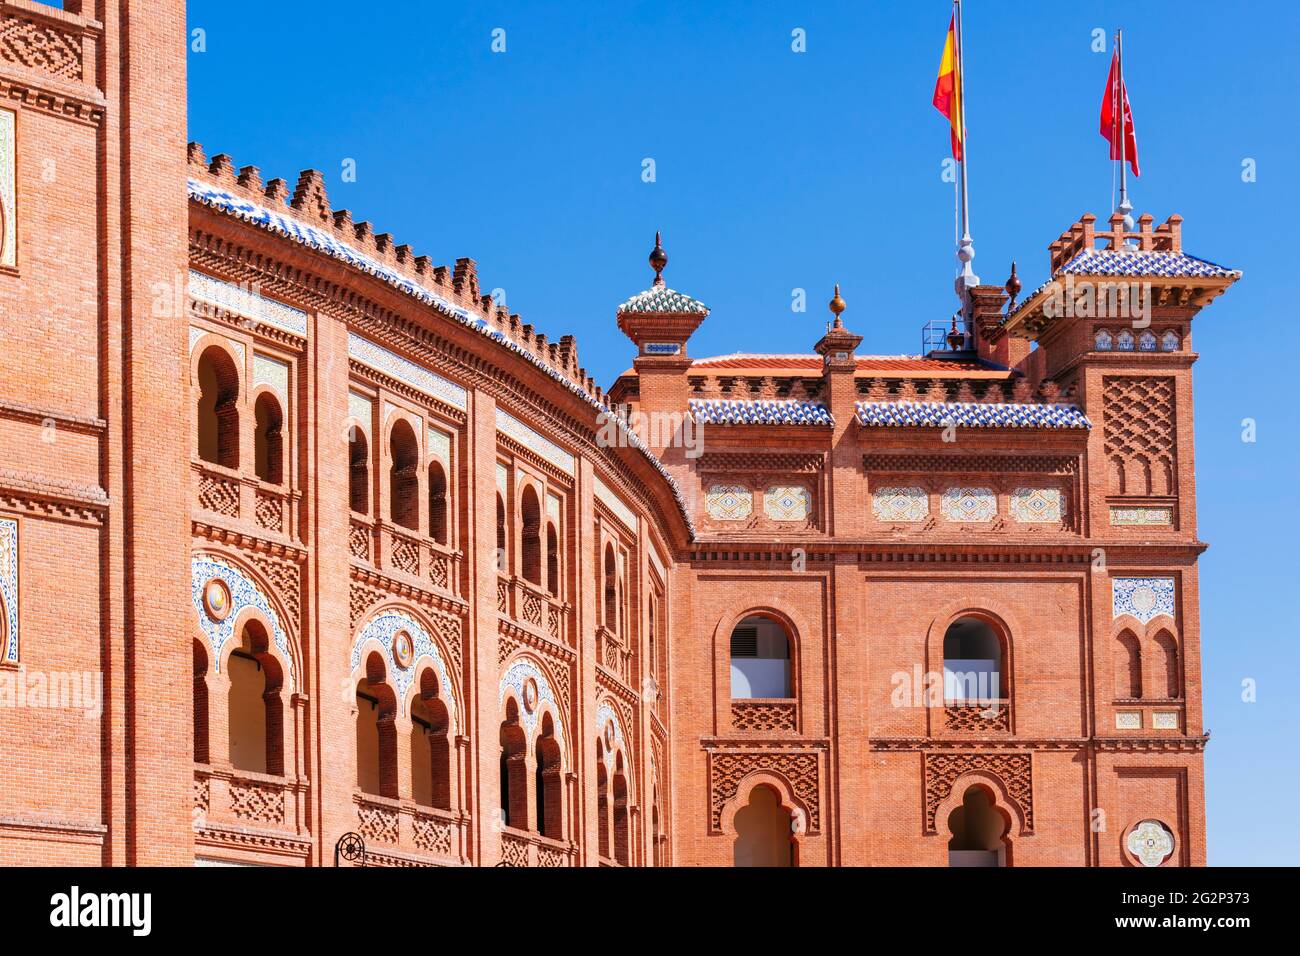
(1121, 94)
(966, 277)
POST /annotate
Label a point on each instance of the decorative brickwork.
(727, 770)
(1015, 770)
(1139, 435)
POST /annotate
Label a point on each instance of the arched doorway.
(979, 830)
(763, 831)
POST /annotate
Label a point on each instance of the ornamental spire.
(658, 260)
(837, 307)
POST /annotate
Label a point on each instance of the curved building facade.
(306, 545)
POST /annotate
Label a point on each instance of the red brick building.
(302, 536)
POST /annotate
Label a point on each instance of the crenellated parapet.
(305, 214)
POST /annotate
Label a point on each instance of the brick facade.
(487, 620)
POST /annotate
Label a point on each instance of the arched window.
(552, 560)
(376, 732)
(656, 844)
(972, 662)
(358, 471)
(531, 518)
(602, 799)
(503, 560)
(611, 589)
(650, 632)
(430, 746)
(403, 483)
(763, 829)
(514, 770)
(1168, 649)
(200, 703)
(621, 843)
(268, 447)
(978, 830)
(760, 660)
(1128, 667)
(437, 503)
(256, 718)
(218, 408)
(548, 786)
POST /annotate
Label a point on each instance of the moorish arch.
(765, 820)
(226, 594)
(528, 682)
(404, 642)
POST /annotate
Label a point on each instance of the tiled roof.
(879, 364)
(1123, 262)
(286, 225)
(763, 411)
(663, 299)
(970, 415)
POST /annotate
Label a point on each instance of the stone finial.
(1013, 287)
(837, 307)
(955, 338)
(309, 196)
(658, 260)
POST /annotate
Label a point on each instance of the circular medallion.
(216, 599)
(1151, 842)
(1145, 599)
(609, 735)
(530, 695)
(403, 649)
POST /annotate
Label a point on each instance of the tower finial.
(837, 306)
(658, 260)
(1012, 287)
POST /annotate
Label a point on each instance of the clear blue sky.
(778, 170)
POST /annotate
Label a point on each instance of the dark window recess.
(744, 642)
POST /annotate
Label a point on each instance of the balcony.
(530, 607)
(977, 716)
(520, 848)
(401, 832)
(390, 548)
(611, 654)
(758, 715)
(231, 806)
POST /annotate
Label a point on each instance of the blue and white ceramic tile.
(1143, 598)
(381, 629)
(243, 593)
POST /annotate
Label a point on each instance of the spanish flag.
(947, 89)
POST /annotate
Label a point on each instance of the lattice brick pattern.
(978, 719)
(40, 47)
(551, 857)
(359, 541)
(431, 834)
(219, 494)
(377, 823)
(202, 795)
(727, 770)
(762, 716)
(1139, 427)
(439, 571)
(406, 555)
(250, 801)
(283, 576)
(514, 850)
(1014, 770)
(270, 512)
